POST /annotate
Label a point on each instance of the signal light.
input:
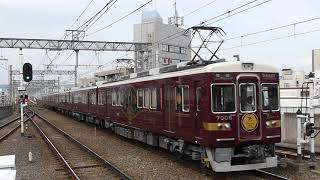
(27, 72)
(309, 128)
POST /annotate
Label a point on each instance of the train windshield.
(248, 97)
(270, 97)
(223, 98)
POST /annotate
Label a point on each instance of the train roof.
(221, 67)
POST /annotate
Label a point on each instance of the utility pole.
(76, 69)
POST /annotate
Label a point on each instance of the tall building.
(169, 42)
(315, 60)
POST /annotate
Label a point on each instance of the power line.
(240, 12)
(123, 17)
(84, 25)
(174, 35)
(65, 35)
(88, 26)
(208, 4)
(85, 9)
(273, 29)
(273, 39)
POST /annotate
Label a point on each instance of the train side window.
(118, 98)
(270, 96)
(140, 98)
(93, 98)
(154, 98)
(182, 99)
(121, 98)
(223, 98)
(114, 98)
(146, 98)
(198, 97)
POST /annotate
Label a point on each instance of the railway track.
(268, 175)
(11, 126)
(80, 161)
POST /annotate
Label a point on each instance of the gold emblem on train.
(249, 122)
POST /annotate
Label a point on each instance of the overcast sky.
(49, 19)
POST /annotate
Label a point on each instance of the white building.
(170, 43)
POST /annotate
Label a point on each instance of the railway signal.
(27, 72)
(309, 128)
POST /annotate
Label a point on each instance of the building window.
(182, 99)
(223, 98)
(165, 47)
(140, 98)
(166, 61)
(183, 50)
(174, 49)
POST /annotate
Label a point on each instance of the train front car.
(244, 124)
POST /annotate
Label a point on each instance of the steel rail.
(12, 130)
(271, 174)
(81, 145)
(52, 146)
(9, 122)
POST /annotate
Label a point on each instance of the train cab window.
(223, 98)
(248, 97)
(182, 99)
(140, 98)
(270, 96)
(198, 97)
(146, 98)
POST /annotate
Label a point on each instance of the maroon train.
(225, 114)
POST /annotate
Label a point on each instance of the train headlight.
(227, 125)
(274, 123)
(219, 125)
(268, 123)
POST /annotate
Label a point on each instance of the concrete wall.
(289, 128)
(5, 111)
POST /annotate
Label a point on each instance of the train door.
(169, 108)
(198, 98)
(249, 117)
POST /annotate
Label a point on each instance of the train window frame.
(235, 98)
(182, 99)
(121, 98)
(255, 97)
(138, 105)
(262, 100)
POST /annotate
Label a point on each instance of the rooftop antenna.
(176, 20)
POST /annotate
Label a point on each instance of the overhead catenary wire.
(85, 9)
(179, 33)
(123, 17)
(65, 35)
(273, 29)
(273, 39)
(96, 19)
(230, 15)
(194, 11)
(90, 20)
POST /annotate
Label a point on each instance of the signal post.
(27, 77)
